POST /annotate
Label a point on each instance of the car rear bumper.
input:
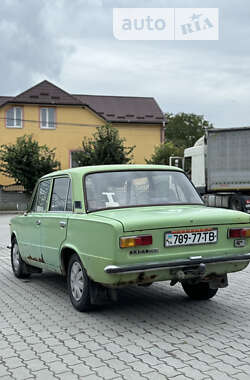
(192, 261)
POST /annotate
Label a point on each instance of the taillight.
(234, 233)
(133, 241)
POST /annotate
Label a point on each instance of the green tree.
(104, 148)
(184, 129)
(26, 161)
(163, 152)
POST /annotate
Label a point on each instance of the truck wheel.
(200, 291)
(236, 203)
(18, 266)
(78, 284)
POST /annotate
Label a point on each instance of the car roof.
(82, 170)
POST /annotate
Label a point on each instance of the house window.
(47, 118)
(14, 117)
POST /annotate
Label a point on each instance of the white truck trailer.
(220, 167)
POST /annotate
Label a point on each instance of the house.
(61, 120)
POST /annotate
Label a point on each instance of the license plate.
(191, 237)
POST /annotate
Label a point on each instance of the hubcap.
(16, 257)
(76, 281)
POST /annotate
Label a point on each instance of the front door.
(31, 225)
(53, 228)
(29, 236)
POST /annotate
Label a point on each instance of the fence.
(13, 198)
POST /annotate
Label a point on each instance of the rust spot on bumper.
(141, 279)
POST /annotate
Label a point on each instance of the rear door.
(54, 223)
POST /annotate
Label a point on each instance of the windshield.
(138, 188)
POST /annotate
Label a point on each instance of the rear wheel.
(18, 266)
(200, 291)
(78, 284)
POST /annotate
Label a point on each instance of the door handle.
(38, 222)
(62, 224)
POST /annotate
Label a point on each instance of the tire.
(236, 204)
(18, 266)
(78, 284)
(200, 291)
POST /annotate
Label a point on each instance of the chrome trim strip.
(114, 269)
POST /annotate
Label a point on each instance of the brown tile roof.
(46, 93)
(4, 99)
(122, 109)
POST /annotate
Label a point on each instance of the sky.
(71, 44)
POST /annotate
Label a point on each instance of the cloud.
(180, 82)
(71, 43)
(28, 51)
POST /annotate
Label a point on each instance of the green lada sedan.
(105, 227)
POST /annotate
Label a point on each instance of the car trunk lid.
(149, 218)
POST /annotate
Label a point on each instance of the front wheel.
(200, 291)
(18, 266)
(78, 284)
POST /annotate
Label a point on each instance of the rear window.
(138, 188)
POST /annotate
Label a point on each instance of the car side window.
(33, 206)
(41, 197)
(69, 198)
(61, 195)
